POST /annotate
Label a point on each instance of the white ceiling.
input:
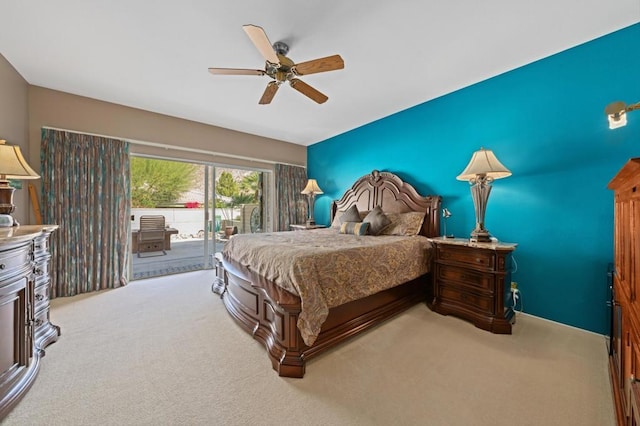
(154, 54)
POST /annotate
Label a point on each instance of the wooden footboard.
(270, 314)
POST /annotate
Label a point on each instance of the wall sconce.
(310, 191)
(617, 113)
(12, 166)
(481, 171)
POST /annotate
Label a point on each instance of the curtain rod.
(177, 148)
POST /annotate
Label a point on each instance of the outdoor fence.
(190, 221)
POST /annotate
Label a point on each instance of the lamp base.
(480, 237)
(6, 198)
(6, 220)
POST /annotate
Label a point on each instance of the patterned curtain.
(85, 190)
(290, 203)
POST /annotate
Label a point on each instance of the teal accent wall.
(545, 122)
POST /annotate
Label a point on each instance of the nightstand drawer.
(466, 277)
(479, 259)
(469, 301)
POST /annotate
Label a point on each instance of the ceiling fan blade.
(262, 43)
(329, 63)
(308, 91)
(235, 71)
(269, 93)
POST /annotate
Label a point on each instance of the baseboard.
(518, 313)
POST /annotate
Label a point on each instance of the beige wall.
(50, 108)
(25, 109)
(14, 116)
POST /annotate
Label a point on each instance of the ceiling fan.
(282, 69)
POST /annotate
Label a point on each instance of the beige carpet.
(164, 351)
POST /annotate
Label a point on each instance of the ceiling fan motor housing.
(281, 48)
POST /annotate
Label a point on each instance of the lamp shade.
(484, 163)
(12, 163)
(312, 188)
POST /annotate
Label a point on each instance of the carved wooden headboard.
(394, 195)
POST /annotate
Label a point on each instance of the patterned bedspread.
(327, 269)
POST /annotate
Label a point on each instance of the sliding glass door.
(201, 206)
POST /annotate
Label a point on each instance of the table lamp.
(12, 166)
(310, 191)
(481, 171)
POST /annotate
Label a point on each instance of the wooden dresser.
(472, 281)
(25, 329)
(624, 359)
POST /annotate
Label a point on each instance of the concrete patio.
(184, 256)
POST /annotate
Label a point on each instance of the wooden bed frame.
(270, 313)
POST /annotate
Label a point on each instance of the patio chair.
(151, 234)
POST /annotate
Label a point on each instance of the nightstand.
(305, 227)
(473, 281)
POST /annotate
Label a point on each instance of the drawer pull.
(2, 266)
(39, 297)
(39, 271)
(38, 246)
(38, 322)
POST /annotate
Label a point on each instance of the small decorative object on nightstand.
(446, 214)
(472, 281)
(305, 227)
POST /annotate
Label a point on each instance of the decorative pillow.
(377, 221)
(404, 223)
(349, 215)
(355, 228)
(336, 222)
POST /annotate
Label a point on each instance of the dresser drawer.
(41, 271)
(15, 261)
(466, 277)
(41, 247)
(469, 301)
(40, 321)
(478, 259)
(41, 294)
